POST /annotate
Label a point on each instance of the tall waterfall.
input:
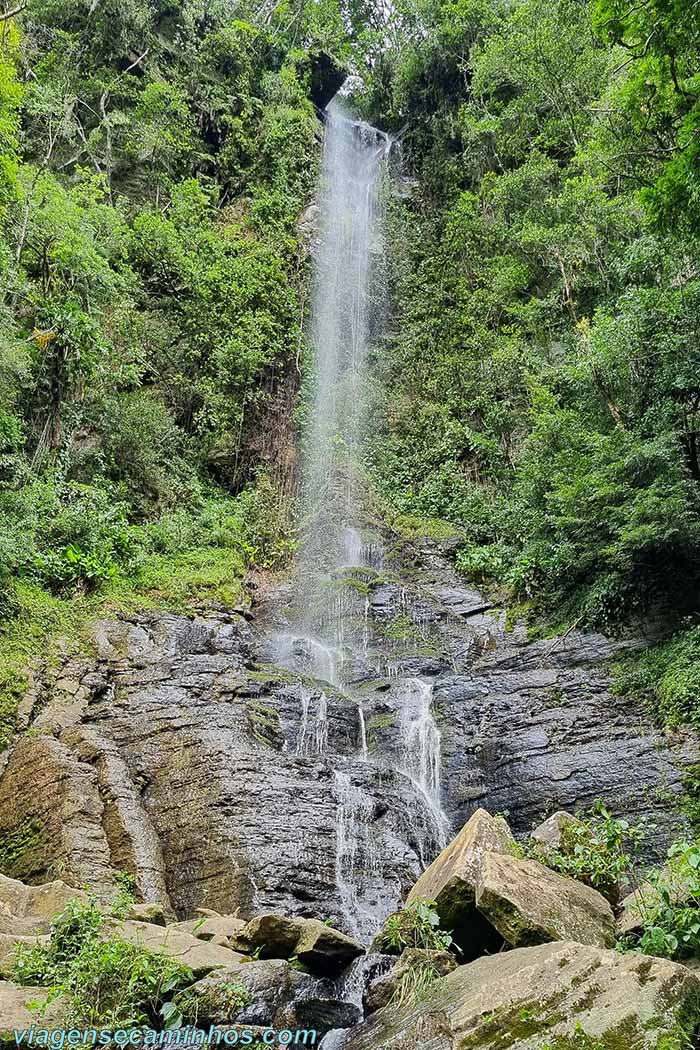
(327, 631)
(345, 286)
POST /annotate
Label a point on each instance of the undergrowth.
(102, 980)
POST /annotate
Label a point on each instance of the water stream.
(328, 634)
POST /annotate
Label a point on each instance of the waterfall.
(345, 289)
(328, 622)
(421, 749)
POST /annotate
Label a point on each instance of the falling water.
(421, 749)
(345, 289)
(328, 634)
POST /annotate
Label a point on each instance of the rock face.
(536, 998)
(180, 754)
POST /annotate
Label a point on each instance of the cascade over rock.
(179, 760)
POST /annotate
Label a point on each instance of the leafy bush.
(666, 678)
(415, 926)
(105, 981)
(669, 906)
(598, 850)
(86, 541)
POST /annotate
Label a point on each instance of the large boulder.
(459, 863)
(269, 992)
(27, 910)
(560, 994)
(452, 880)
(216, 929)
(528, 904)
(319, 947)
(199, 956)
(16, 1012)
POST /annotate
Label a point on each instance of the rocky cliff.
(179, 751)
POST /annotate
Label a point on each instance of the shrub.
(669, 906)
(666, 678)
(415, 926)
(105, 981)
(87, 539)
(597, 850)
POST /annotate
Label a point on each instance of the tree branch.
(5, 15)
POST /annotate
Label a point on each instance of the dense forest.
(536, 392)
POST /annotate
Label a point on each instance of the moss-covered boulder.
(556, 996)
(317, 946)
(529, 904)
(216, 929)
(453, 878)
(28, 910)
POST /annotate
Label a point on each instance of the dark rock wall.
(180, 754)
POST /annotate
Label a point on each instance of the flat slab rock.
(201, 957)
(527, 998)
(15, 1012)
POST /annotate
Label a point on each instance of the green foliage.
(666, 678)
(104, 981)
(598, 850)
(17, 848)
(219, 1004)
(539, 387)
(415, 926)
(668, 905)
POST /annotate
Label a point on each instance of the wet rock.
(181, 755)
(534, 998)
(199, 956)
(321, 948)
(15, 1011)
(528, 904)
(415, 970)
(268, 992)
